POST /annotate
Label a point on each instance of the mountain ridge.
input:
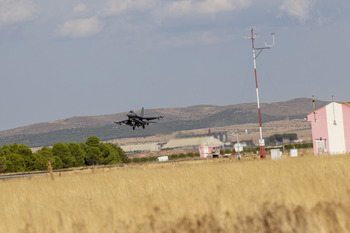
(76, 129)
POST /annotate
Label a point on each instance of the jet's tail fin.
(142, 112)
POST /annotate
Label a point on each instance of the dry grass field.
(304, 194)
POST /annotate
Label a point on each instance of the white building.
(331, 128)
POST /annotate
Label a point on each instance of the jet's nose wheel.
(133, 128)
(143, 126)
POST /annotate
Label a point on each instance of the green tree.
(14, 148)
(83, 146)
(93, 156)
(93, 141)
(5, 150)
(40, 163)
(29, 160)
(57, 163)
(78, 153)
(122, 157)
(24, 150)
(62, 151)
(46, 153)
(15, 163)
(2, 164)
(27, 155)
(291, 136)
(109, 155)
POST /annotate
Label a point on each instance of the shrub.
(136, 160)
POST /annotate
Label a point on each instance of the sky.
(60, 59)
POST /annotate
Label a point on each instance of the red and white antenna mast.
(252, 37)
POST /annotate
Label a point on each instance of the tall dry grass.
(305, 194)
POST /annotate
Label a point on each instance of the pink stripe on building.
(319, 127)
(346, 115)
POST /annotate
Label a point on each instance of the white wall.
(336, 135)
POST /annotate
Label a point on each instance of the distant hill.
(78, 129)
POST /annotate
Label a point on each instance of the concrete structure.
(294, 153)
(331, 128)
(142, 147)
(275, 154)
(163, 159)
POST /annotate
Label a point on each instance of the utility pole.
(238, 145)
(253, 37)
(238, 154)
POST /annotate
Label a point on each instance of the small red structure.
(205, 151)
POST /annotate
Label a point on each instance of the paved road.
(12, 176)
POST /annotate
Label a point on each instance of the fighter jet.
(135, 120)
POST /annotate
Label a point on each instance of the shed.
(163, 159)
(331, 128)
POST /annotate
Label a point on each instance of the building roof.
(195, 141)
(141, 147)
(345, 103)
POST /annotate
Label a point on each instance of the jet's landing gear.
(133, 128)
(143, 126)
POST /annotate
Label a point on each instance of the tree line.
(20, 158)
(278, 138)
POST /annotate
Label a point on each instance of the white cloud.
(215, 6)
(80, 28)
(117, 7)
(190, 39)
(192, 7)
(80, 8)
(299, 9)
(17, 11)
(174, 8)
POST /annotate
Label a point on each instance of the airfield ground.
(304, 194)
(299, 126)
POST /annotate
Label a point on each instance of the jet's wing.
(152, 118)
(148, 122)
(121, 122)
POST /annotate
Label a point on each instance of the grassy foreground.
(305, 194)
